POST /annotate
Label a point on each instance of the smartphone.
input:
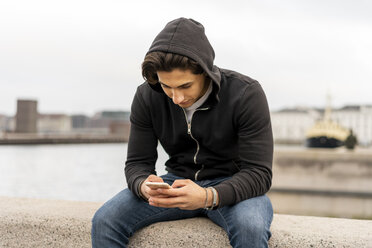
(157, 185)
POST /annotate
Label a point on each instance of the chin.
(186, 105)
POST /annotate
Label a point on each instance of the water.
(84, 172)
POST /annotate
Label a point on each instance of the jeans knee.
(107, 216)
(99, 219)
(251, 226)
(253, 232)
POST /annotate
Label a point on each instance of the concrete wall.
(323, 182)
(33, 223)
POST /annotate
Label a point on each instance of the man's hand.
(147, 191)
(184, 194)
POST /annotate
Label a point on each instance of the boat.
(326, 133)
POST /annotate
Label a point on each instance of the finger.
(171, 202)
(151, 192)
(181, 183)
(156, 193)
(172, 192)
(162, 196)
(154, 178)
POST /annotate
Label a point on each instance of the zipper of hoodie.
(197, 173)
(197, 142)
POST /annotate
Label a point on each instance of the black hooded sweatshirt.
(230, 133)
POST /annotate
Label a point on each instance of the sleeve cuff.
(137, 186)
(226, 194)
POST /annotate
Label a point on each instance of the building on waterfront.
(79, 121)
(54, 123)
(10, 124)
(26, 116)
(109, 121)
(2, 122)
(7, 125)
(115, 115)
(290, 125)
(120, 128)
(357, 118)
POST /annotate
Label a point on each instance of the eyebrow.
(182, 85)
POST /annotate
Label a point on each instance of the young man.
(215, 126)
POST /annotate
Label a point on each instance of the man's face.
(184, 87)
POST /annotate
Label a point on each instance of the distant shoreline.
(41, 139)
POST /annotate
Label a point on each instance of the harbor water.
(84, 172)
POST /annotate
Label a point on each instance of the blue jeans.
(247, 223)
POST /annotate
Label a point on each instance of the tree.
(351, 141)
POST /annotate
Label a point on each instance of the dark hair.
(161, 61)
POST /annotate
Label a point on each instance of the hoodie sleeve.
(142, 153)
(255, 150)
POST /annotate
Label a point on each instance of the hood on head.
(187, 37)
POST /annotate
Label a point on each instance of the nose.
(177, 96)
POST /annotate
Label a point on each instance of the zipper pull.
(188, 128)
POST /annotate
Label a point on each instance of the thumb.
(180, 183)
(154, 178)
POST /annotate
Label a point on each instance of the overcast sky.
(85, 56)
